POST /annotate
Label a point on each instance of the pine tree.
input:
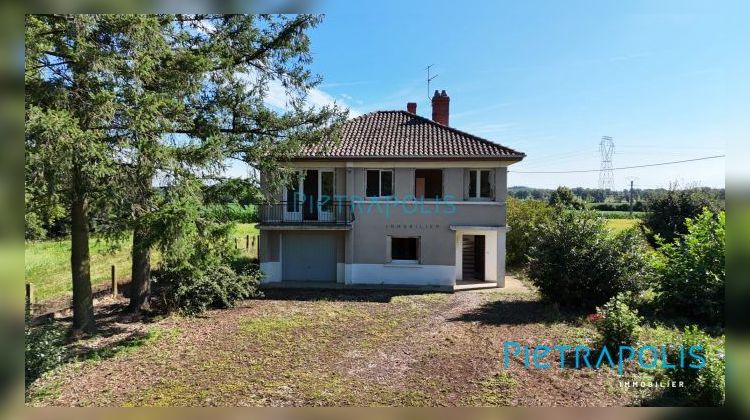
(120, 107)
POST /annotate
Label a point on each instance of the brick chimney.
(440, 107)
(411, 107)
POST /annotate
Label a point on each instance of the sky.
(666, 80)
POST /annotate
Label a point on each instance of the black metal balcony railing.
(307, 212)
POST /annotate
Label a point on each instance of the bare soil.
(296, 348)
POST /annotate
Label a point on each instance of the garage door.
(308, 257)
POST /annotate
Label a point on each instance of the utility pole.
(631, 199)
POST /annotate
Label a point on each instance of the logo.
(648, 356)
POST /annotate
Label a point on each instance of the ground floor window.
(404, 249)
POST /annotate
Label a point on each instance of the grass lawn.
(47, 263)
(297, 348)
(618, 225)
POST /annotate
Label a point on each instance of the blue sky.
(667, 80)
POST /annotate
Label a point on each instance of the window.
(293, 191)
(379, 183)
(404, 250)
(326, 190)
(480, 183)
(428, 184)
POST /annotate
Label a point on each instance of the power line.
(622, 167)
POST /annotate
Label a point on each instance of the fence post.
(247, 242)
(30, 297)
(257, 247)
(114, 281)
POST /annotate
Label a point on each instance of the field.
(618, 225)
(47, 263)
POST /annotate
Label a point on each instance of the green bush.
(668, 210)
(196, 271)
(564, 197)
(619, 207)
(34, 229)
(232, 212)
(45, 349)
(704, 386)
(192, 290)
(618, 324)
(523, 217)
(691, 276)
(576, 262)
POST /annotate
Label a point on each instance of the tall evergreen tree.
(135, 102)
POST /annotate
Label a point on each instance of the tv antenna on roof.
(429, 79)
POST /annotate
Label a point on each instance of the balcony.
(308, 213)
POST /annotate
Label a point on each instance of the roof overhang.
(516, 158)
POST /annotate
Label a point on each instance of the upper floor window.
(480, 183)
(379, 183)
(428, 184)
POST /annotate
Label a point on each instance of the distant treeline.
(605, 196)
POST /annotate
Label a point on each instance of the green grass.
(47, 263)
(621, 214)
(619, 225)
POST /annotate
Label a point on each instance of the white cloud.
(278, 98)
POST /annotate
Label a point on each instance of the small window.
(379, 183)
(480, 183)
(404, 249)
(428, 184)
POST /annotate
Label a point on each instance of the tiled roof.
(403, 135)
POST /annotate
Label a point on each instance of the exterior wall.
(271, 251)
(270, 255)
(373, 222)
(362, 251)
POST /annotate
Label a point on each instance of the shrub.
(668, 210)
(617, 323)
(690, 275)
(564, 197)
(619, 207)
(191, 291)
(575, 261)
(704, 386)
(523, 217)
(34, 229)
(196, 271)
(232, 212)
(45, 349)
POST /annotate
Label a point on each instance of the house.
(399, 200)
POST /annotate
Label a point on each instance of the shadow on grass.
(377, 296)
(516, 312)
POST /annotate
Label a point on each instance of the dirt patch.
(329, 348)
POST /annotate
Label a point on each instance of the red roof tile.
(403, 135)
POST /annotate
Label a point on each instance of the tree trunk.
(140, 284)
(83, 304)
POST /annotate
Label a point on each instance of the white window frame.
(380, 183)
(389, 250)
(478, 186)
(290, 215)
(325, 215)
